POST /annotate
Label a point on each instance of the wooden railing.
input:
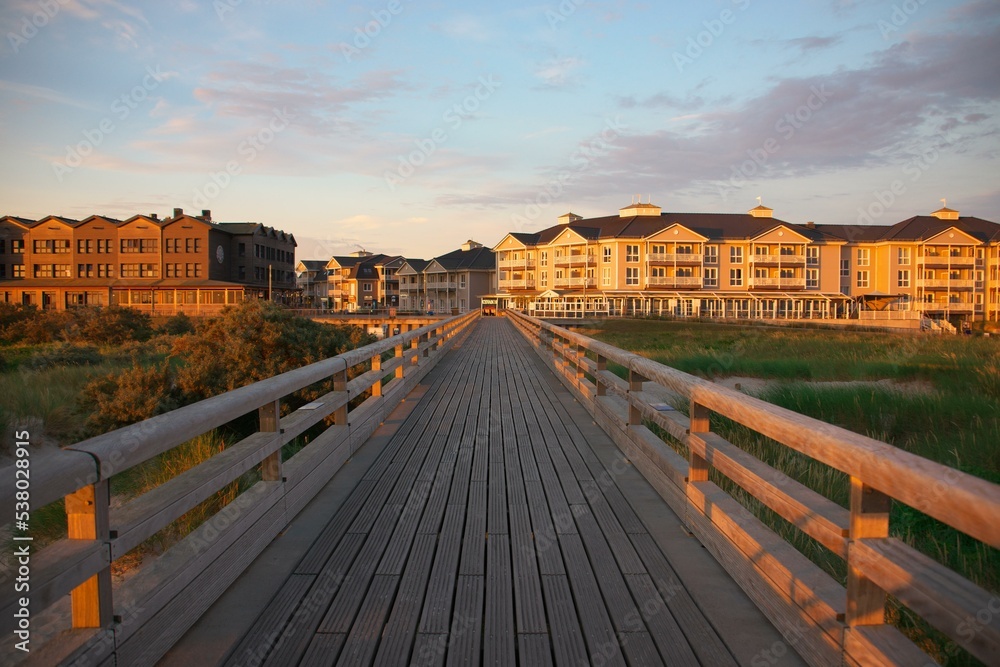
(138, 621)
(825, 622)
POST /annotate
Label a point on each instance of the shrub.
(115, 325)
(177, 325)
(129, 396)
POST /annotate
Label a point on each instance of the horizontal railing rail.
(138, 621)
(826, 622)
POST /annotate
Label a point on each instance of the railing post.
(581, 354)
(414, 347)
(340, 384)
(376, 366)
(87, 519)
(869, 518)
(635, 381)
(697, 465)
(270, 422)
(399, 356)
(602, 365)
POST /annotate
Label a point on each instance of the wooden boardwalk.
(486, 532)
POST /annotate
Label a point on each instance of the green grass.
(952, 418)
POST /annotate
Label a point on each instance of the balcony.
(674, 258)
(576, 260)
(674, 281)
(575, 283)
(777, 259)
(526, 283)
(948, 305)
(945, 259)
(516, 263)
(778, 283)
(946, 283)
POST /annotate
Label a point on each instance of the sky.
(409, 126)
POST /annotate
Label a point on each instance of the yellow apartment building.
(644, 261)
(752, 265)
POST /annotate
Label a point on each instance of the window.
(685, 250)
(43, 270)
(103, 246)
(171, 246)
(845, 268)
(3, 270)
(62, 246)
(192, 245)
(812, 255)
(606, 276)
(256, 250)
(243, 272)
(864, 256)
(545, 279)
(736, 275)
(129, 271)
(606, 251)
(130, 245)
(711, 254)
(42, 247)
(17, 247)
(759, 272)
(63, 271)
(461, 281)
(761, 250)
(711, 277)
(84, 270)
(862, 279)
(172, 270)
(18, 270)
(786, 250)
(658, 272)
(105, 271)
(3, 247)
(632, 274)
(903, 257)
(366, 287)
(736, 257)
(242, 250)
(786, 273)
(659, 249)
(632, 255)
(545, 256)
(85, 246)
(149, 245)
(903, 278)
(812, 278)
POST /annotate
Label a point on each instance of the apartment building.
(644, 261)
(753, 265)
(312, 281)
(183, 263)
(939, 266)
(453, 282)
(363, 281)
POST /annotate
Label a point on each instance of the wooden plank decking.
(486, 532)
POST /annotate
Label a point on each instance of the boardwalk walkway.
(486, 531)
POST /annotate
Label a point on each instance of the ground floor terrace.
(681, 304)
(156, 298)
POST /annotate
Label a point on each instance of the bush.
(130, 396)
(116, 325)
(177, 325)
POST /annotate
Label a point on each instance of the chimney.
(945, 213)
(471, 245)
(568, 218)
(178, 212)
(154, 216)
(206, 215)
(637, 208)
(810, 225)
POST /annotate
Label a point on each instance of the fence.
(827, 623)
(137, 622)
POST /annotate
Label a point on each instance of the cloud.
(23, 90)
(557, 73)
(465, 27)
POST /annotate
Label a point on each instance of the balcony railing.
(778, 259)
(575, 282)
(526, 283)
(945, 283)
(672, 257)
(785, 283)
(576, 260)
(948, 305)
(674, 281)
(945, 258)
(516, 263)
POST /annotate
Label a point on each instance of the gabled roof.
(711, 225)
(69, 222)
(415, 265)
(312, 264)
(477, 259)
(236, 227)
(917, 228)
(23, 222)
